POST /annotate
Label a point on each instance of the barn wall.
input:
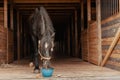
(109, 30)
(90, 43)
(84, 45)
(93, 43)
(6, 41)
(3, 39)
(3, 44)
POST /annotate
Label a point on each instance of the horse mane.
(42, 28)
(42, 22)
(48, 22)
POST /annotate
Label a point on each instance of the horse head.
(45, 49)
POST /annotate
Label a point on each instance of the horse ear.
(36, 9)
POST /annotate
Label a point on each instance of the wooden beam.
(48, 8)
(57, 5)
(98, 18)
(117, 36)
(46, 1)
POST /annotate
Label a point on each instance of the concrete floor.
(65, 69)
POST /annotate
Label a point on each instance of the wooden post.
(5, 13)
(98, 18)
(89, 10)
(76, 35)
(106, 8)
(117, 36)
(5, 23)
(68, 36)
(103, 9)
(18, 36)
(88, 22)
(119, 6)
(82, 15)
(11, 15)
(73, 37)
(111, 7)
(82, 24)
(116, 6)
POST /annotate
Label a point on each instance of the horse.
(42, 35)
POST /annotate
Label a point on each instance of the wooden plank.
(111, 26)
(110, 18)
(111, 47)
(105, 41)
(116, 57)
(108, 39)
(113, 52)
(106, 47)
(110, 32)
(113, 65)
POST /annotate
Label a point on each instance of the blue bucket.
(47, 72)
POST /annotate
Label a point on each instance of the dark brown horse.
(42, 37)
